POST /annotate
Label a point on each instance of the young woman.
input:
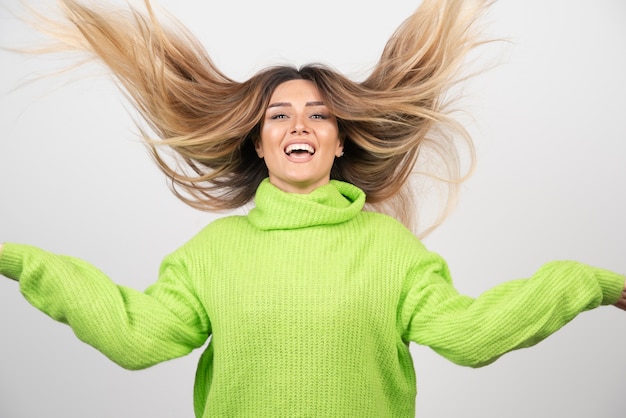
(309, 300)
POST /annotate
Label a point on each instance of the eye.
(279, 116)
(319, 116)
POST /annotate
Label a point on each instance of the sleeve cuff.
(612, 285)
(11, 260)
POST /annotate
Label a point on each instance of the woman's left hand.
(622, 302)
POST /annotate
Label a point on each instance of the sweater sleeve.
(513, 315)
(134, 329)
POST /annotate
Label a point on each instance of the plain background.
(549, 126)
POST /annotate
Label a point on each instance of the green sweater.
(310, 303)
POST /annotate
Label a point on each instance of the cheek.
(270, 135)
(332, 138)
(268, 146)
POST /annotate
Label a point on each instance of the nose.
(299, 125)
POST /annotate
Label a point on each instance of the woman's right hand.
(620, 303)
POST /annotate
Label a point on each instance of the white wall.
(551, 144)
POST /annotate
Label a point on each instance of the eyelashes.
(315, 116)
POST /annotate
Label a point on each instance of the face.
(299, 138)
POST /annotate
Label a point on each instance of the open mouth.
(299, 149)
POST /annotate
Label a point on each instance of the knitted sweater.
(310, 303)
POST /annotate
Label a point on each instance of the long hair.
(395, 123)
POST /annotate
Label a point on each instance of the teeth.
(299, 147)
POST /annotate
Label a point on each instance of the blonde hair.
(210, 122)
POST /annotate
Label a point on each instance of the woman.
(259, 286)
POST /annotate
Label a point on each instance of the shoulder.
(222, 228)
(227, 223)
(387, 234)
(387, 225)
(214, 235)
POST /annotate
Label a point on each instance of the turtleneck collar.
(333, 203)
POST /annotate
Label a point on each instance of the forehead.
(296, 91)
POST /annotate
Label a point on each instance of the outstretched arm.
(134, 329)
(515, 314)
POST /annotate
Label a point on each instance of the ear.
(339, 150)
(258, 147)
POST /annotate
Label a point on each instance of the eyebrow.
(287, 104)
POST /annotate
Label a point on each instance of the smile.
(299, 149)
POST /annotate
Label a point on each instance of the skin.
(622, 302)
(299, 138)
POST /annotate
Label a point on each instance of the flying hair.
(202, 126)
